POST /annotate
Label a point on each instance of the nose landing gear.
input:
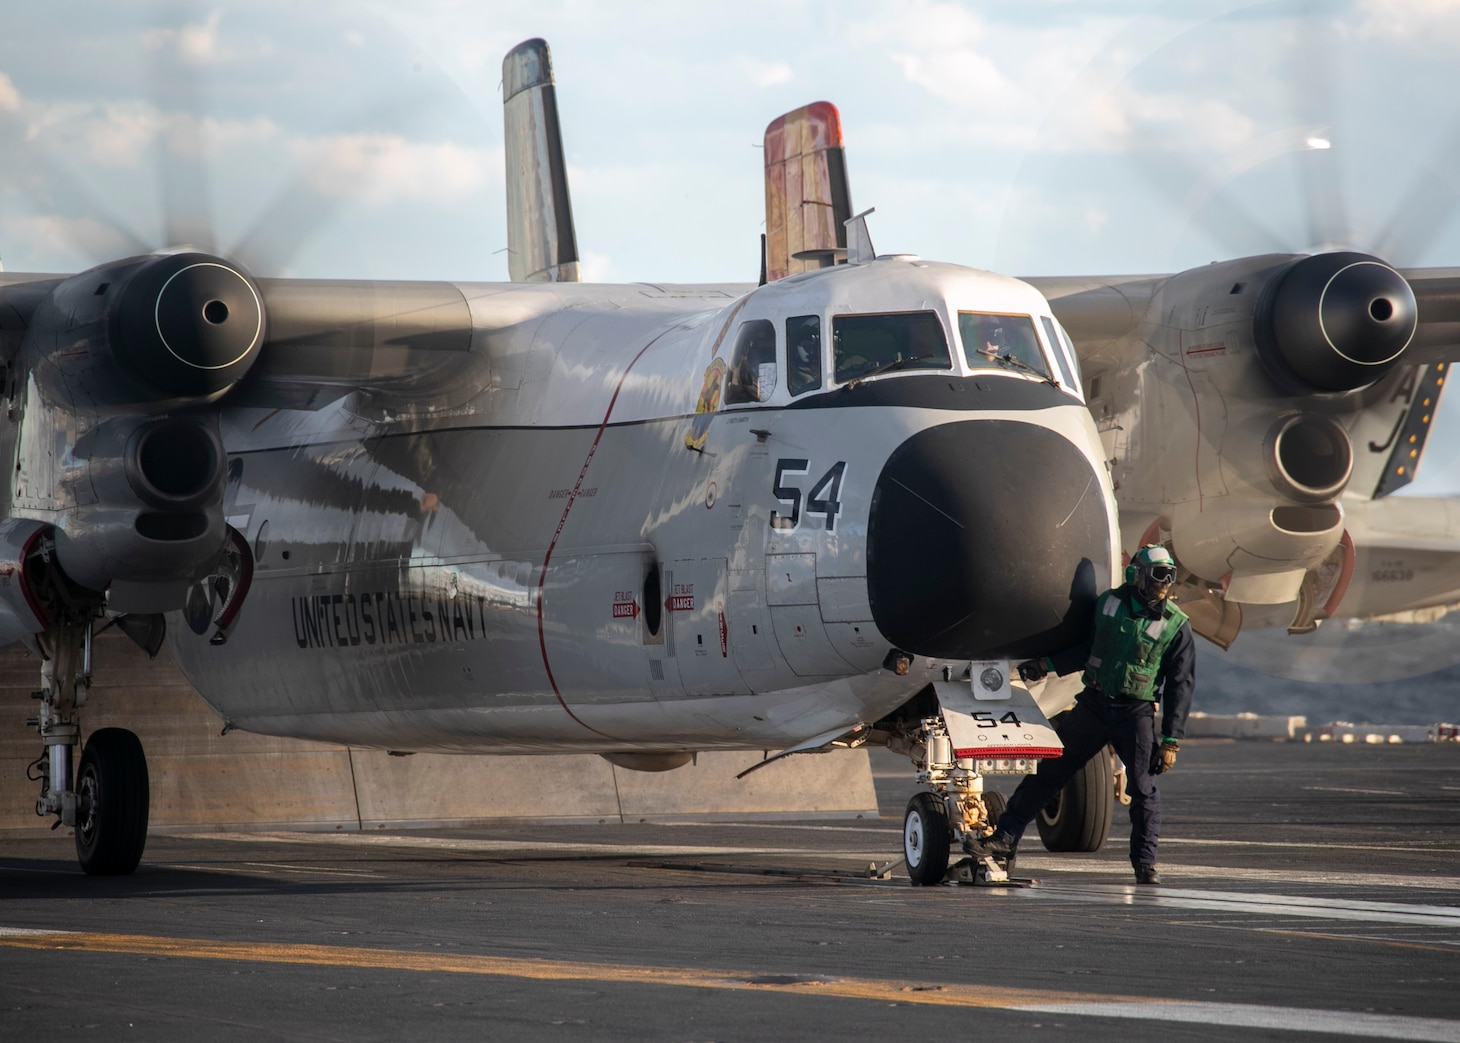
(1007, 732)
(955, 807)
(926, 838)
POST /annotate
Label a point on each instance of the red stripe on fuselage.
(572, 498)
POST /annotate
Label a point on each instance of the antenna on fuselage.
(859, 240)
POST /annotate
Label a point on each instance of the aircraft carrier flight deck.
(1310, 891)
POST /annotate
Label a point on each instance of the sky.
(1045, 137)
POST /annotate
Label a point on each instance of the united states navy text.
(386, 618)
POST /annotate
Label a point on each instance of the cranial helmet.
(1152, 569)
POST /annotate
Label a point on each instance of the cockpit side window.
(1063, 358)
(803, 353)
(752, 375)
(1074, 356)
(991, 341)
(864, 345)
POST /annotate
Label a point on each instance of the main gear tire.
(994, 804)
(1079, 817)
(926, 839)
(113, 794)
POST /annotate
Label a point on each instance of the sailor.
(1140, 653)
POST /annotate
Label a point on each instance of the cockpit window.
(752, 375)
(1063, 356)
(1074, 356)
(992, 341)
(865, 345)
(803, 353)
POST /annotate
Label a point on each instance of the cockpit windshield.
(865, 345)
(993, 341)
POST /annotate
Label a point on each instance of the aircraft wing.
(1098, 312)
(1437, 292)
(324, 338)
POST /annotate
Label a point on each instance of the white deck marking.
(1042, 866)
(1362, 792)
(1300, 845)
(1266, 904)
(1291, 1019)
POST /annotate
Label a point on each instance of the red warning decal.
(624, 605)
(683, 598)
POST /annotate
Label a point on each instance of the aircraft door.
(695, 606)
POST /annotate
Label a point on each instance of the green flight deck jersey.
(1127, 647)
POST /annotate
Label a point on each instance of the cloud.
(386, 168)
(121, 134)
(1423, 23)
(194, 44)
(770, 74)
(9, 96)
(80, 241)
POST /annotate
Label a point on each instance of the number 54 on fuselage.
(662, 518)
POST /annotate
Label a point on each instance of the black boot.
(1147, 875)
(998, 845)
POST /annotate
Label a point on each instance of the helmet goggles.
(1162, 573)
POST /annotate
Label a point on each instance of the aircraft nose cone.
(987, 538)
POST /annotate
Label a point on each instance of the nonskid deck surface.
(1308, 889)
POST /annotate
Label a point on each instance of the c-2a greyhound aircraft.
(638, 521)
(1255, 415)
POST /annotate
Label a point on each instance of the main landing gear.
(107, 799)
(1079, 817)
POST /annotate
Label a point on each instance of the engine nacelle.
(112, 449)
(154, 523)
(1334, 322)
(175, 326)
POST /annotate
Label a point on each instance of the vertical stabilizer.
(807, 196)
(1389, 435)
(541, 244)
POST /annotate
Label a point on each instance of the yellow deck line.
(942, 994)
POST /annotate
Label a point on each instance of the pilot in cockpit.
(804, 355)
(994, 342)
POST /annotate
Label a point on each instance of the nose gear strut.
(967, 732)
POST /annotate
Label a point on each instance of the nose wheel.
(926, 838)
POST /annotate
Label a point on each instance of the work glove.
(1031, 670)
(1163, 757)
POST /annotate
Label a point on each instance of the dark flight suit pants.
(1127, 724)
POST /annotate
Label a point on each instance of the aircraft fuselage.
(609, 531)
